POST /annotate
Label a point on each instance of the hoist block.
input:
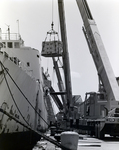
(52, 48)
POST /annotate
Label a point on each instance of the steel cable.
(23, 93)
(13, 97)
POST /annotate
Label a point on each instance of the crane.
(99, 55)
(100, 109)
(53, 49)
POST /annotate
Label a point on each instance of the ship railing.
(11, 36)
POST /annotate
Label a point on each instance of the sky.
(35, 18)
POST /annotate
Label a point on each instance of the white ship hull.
(23, 105)
(19, 94)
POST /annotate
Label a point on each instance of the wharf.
(85, 143)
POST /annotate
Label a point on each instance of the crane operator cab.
(95, 105)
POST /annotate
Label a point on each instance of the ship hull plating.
(22, 98)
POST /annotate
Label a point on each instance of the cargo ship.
(23, 108)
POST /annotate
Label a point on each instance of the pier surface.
(85, 143)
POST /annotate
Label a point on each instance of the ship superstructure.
(21, 94)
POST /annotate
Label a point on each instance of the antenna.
(18, 26)
(18, 29)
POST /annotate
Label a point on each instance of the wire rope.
(23, 93)
(39, 133)
(52, 11)
(13, 97)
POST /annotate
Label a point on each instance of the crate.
(52, 48)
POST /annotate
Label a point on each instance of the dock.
(85, 143)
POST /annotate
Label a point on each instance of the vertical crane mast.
(65, 54)
(99, 55)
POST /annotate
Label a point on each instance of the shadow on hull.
(19, 140)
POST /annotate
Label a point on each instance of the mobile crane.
(100, 111)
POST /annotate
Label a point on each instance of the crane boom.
(65, 54)
(98, 53)
(60, 83)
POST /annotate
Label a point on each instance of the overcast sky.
(35, 17)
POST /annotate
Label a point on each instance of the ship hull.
(22, 98)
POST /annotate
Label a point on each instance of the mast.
(65, 54)
(8, 33)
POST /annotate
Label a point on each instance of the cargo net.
(52, 47)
